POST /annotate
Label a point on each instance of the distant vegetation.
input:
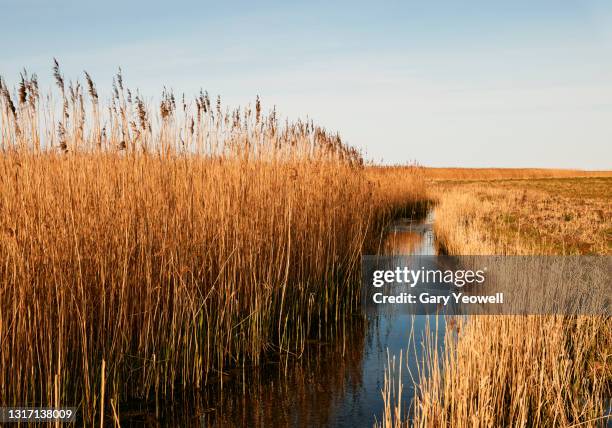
(458, 174)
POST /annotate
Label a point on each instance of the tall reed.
(168, 244)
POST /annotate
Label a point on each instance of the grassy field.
(144, 249)
(541, 216)
(514, 370)
(479, 174)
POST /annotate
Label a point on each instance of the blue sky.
(483, 83)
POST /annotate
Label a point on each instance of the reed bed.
(144, 250)
(519, 370)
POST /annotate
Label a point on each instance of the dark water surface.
(335, 384)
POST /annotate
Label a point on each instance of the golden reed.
(143, 250)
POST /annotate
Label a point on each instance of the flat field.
(520, 370)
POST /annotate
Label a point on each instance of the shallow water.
(335, 384)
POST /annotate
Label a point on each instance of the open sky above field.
(514, 83)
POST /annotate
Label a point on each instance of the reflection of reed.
(297, 392)
(401, 242)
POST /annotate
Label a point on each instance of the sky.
(441, 83)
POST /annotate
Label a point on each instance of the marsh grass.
(144, 250)
(519, 370)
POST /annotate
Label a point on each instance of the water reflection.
(406, 236)
(304, 393)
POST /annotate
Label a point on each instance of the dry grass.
(394, 412)
(143, 251)
(513, 370)
(549, 216)
(461, 174)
